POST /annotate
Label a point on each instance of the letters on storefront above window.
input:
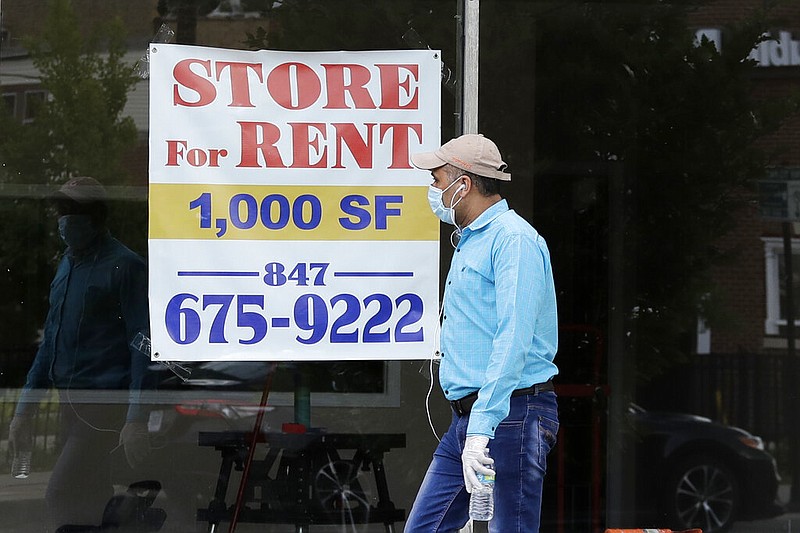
(779, 49)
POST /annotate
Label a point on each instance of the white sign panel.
(286, 221)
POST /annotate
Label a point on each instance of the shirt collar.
(95, 245)
(489, 215)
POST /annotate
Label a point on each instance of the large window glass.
(636, 133)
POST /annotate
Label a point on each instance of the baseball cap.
(83, 190)
(471, 152)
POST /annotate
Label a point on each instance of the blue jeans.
(519, 449)
(81, 482)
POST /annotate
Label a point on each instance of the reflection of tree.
(598, 83)
(631, 86)
(359, 25)
(78, 130)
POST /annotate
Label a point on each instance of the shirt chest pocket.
(474, 273)
(101, 303)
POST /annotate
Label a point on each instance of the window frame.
(27, 117)
(10, 100)
(773, 252)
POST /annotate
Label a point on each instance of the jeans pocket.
(548, 430)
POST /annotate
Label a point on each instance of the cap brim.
(427, 161)
(500, 175)
(59, 196)
(77, 198)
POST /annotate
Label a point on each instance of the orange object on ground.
(652, 531)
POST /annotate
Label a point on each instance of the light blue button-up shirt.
(499, 324)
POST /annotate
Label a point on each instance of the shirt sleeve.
(134, 306)
(519, 269)
(38, 381)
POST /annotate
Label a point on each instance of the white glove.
(136, 442)
(474, 459)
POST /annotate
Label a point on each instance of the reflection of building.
(751, 284)
(19, 84)
(226, 26)
(738, 376)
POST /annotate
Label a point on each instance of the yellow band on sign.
(319, 213)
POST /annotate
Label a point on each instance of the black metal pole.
(621, 366)
(788, 277)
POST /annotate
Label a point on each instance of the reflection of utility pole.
(621, 364)
(186, 23)
(776, 196)
(794, 367)
(185, 12)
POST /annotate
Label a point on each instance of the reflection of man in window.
(98, 303)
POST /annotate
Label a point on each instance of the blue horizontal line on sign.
(280, 322)
(218, 273)
(373, 274)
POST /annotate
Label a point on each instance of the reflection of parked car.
(692, 472)
(214, 397)
(223, 396)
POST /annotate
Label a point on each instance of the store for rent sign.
(286, 221)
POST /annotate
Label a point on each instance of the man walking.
(498, 341)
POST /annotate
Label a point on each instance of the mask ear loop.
(68, 390)
(455, 236)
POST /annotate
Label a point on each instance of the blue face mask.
(445, 214)
(77, 231)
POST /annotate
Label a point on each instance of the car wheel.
(338, 490)
(702, 493)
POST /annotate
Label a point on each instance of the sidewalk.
(785, 523)
(22, 503)
(22, 509)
